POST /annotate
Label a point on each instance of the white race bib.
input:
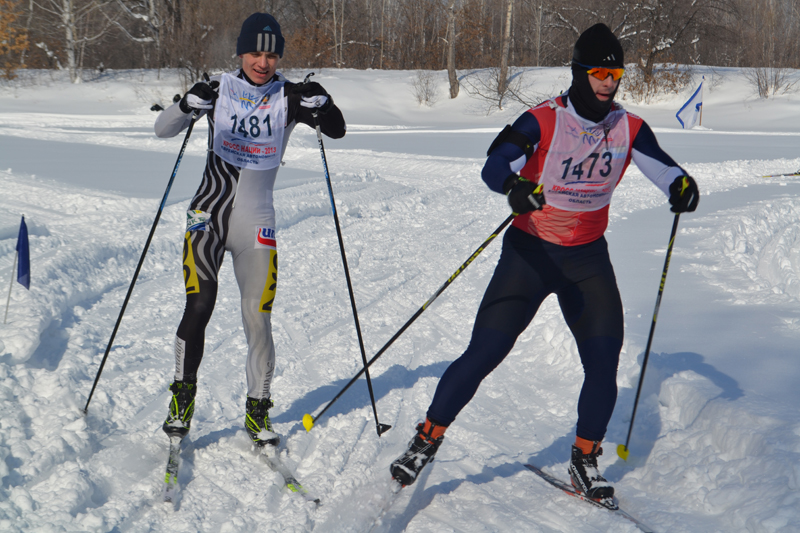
(585, 161)
(249, 123)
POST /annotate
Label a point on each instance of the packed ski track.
(716, 444)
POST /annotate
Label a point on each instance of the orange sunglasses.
(601, 73)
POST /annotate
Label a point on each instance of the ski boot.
(421, 450)
(585, 476)
(181, 409)
(257, 422)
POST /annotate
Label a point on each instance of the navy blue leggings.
(528, 271)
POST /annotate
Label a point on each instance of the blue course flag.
(690, 112)
(24, 265)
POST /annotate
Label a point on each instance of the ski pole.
(381, 428)
(622, 449)
(795, 173)
(308, 420)
(141, 259)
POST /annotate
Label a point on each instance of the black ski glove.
(200, 96)
(683, 195)
(523, 196)
(313, 96)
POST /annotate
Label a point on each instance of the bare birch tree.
(452, 77)
(142, 23)
(83, 22)
(502, 82)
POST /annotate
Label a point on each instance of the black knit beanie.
(596, 47)
(260, 33)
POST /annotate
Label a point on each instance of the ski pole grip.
(532, 199)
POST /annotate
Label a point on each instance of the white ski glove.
(314, 96)
(314, 101)
(200, 96)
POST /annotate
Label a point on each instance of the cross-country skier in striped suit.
(251, 113)
(559, 164)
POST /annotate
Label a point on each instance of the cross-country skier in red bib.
(251, 113)
(559, 164)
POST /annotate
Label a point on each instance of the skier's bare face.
(603, 90)
(260, 66)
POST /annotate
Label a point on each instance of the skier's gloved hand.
(200, 96)
(683, 195)
(523, 196)
(312, 95)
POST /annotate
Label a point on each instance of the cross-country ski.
(797, 173)
(611, 505)
(272, 458)
(171, 486)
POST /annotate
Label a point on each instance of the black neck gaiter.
(583, 98)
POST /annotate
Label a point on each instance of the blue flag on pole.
(692, 109)
(24, 265)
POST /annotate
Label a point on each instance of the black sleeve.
(331, 123)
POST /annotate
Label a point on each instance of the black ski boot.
(181, 409)
(257, 422)
(585, 476)
(421, 450)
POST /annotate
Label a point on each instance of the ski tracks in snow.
(408, 221)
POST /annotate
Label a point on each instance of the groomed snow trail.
(710, 454)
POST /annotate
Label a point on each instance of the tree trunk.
(451, 50)
(420, 60)
(340, 62)
(155, 27)
(370, 56)
(502, 78)
(482, 41)
(27, 32)
(70, 31)
(539, 36)
(383, 13)
(335, 38)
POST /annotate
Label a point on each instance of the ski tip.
(308, 422)
(623, 452)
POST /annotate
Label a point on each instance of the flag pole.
(13, 267)
(702, 100)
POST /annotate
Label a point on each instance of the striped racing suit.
(233, 211)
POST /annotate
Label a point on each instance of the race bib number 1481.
(249, 123)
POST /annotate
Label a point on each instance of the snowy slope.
(716, 444)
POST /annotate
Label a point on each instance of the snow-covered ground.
(716, 443)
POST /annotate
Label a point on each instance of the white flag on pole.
(692, 110)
